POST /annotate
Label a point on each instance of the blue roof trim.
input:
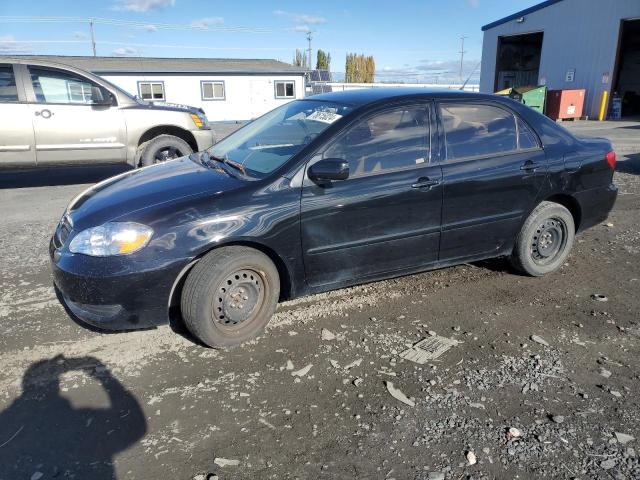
(521, 13)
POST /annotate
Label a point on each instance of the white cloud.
(126, 52)
(473, 3)
(80, 35)
(301, 18)
(143, 5)
(150, 28)
(301, 28)
(206, 22)
(9, 45)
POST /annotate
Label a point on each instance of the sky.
(410, 40)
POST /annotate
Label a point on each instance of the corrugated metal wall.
(578, 34)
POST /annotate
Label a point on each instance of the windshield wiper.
(232, 163)
(205, 159)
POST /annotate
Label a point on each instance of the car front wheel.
(545, 240)
(230, 295)
(163, 148)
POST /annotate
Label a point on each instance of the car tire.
(545, 240)
(230, 295)
(162, 148)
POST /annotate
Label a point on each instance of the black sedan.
(321, 193)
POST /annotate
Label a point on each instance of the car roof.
(364, 96)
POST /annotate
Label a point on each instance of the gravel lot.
(543, 382)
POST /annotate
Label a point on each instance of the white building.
(566, 45)
(226, 89)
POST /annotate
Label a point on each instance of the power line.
(137, 24)
(149, 45)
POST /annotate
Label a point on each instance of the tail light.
(611, 159)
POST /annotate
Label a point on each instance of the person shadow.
(43, 435)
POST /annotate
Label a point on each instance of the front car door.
(17, 144)
(68, 127)
(385, 217)
(493, 173)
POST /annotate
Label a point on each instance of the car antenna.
(469, 77)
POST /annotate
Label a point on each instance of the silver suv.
(56, 114)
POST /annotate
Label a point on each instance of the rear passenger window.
(526, 138)
(8, 89)
(55, 86)
(473, 130)
(391, 140)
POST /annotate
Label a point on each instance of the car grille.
(62, 232)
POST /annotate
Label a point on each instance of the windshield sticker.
(324, 116)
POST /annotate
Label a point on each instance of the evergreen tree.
(299, 59)
(359, 69)
(323, 61)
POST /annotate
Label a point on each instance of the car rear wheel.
(230, 295)
(163, 148)
(545, 240)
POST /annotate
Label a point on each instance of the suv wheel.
(545, 240)
(230, 295)
(162, 148)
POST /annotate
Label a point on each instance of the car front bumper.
(204, 138)
(114, 293)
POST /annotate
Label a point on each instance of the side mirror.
(329, 169)
(100, 96)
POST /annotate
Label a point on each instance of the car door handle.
(425, 182)
(529, 166)
(44, 113)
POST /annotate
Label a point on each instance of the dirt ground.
(543, 382)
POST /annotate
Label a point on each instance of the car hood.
(146, 187)
(172, 107)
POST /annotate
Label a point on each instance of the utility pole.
(462, 52)
(309, 37)
(93, 37)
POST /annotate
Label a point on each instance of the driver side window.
(56, 86)
(394, 139)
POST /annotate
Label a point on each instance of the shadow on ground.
(44, 431)
(63, 175)
(631, 165)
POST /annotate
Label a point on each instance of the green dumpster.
(533, 97)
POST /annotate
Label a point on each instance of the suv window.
(473, 130)
(56, 86)
(8, 89)
(394, 139)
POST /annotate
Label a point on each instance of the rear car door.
(68, 127)
(386, 216)
(17, 145)
(493, 172)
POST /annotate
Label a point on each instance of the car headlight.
(114, 238)
(200, 120)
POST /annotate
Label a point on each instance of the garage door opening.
(518, 61)
(627, 85)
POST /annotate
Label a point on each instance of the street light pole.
(309, 37)
(462, 52)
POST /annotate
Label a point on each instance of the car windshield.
(269, 141)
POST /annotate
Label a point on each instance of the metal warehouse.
(226, 89)
(566, 45)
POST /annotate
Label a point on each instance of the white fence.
(342, 86)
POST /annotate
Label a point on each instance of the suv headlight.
(114, 238)
(200, 120)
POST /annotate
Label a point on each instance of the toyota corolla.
(333, 190)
